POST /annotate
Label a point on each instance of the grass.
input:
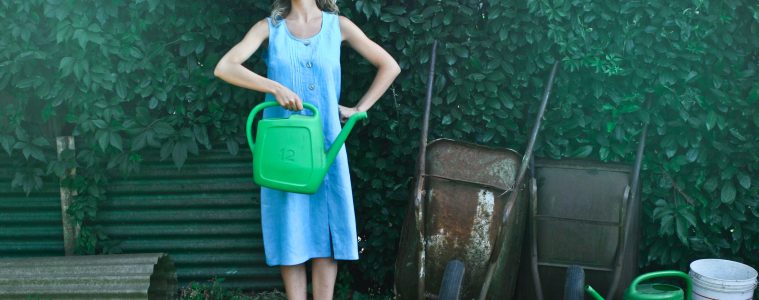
(213, 290)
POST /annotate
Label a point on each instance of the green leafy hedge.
(695, 62)
(124, 76)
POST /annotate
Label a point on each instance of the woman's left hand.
(346, 112)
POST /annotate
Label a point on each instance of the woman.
(303, 61)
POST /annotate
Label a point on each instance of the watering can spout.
(340, 139)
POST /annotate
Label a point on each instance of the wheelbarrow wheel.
(574, 283)
(450, 287)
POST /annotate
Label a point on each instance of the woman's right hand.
(287, 98)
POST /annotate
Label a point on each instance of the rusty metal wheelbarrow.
(465, 196)
(469, 204)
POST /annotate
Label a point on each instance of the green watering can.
(290, 152)
(653, 291)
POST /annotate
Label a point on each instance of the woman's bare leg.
(323, 275)
(295, 281)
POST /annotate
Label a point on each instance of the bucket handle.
(259, 107)
(652, 275)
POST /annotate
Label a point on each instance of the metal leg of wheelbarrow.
(419, 192)
(632, 206)
(534, 239)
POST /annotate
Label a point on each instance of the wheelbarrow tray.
(577, 217)
(467, 186)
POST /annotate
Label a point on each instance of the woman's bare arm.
(231, 70)
(387, 68)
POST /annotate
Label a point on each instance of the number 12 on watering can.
(288, 153)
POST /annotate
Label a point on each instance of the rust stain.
(479, 246)
(504, 169)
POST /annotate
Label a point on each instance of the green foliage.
(126, 76)
(695, 62)
(121, 77)
(213, 290)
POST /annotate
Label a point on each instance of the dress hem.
(301, 261)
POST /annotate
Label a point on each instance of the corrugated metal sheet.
(127, 276)
(29, 225)
(206, 216)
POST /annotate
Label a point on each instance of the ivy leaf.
(102, 137)
(688, 215)
(139, 141)
(28, 180)
(477, 77)
(603, 153)
(711, 184)
(116, 141)
(121, 89)
(692, 74)
(734, 132)
(728, 193)
(666, 225)
(582, 152)
(232, 146)
(153, 103)
(692, 154)
(610, 126)
(711, 119)
(66, 66)
(753, 96)
(99, 124)
(7, 142)
(82, 37)
(396, 10)
(744, 180)
(201, 135)
(681, 228)
(179, 154)
(447, 120)
(163, 129)
(166, 149)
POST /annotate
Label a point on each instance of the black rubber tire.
(574, 283)
(450, 287)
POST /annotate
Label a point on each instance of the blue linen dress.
(298, 227)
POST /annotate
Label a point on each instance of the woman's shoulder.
(342, 19)
(348, 28)
(261, 28)
(345, 23)
(265, 22)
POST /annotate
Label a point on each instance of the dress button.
(311, 86)
(306, 43)
(308, 65)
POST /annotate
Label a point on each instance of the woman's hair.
(280, 8)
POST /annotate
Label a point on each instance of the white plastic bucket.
(719, 279)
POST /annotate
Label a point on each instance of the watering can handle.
(260, 107)
(647, 276)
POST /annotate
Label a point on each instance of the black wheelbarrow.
(583, 215)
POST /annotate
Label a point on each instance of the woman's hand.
(287, 98)
(346, 113)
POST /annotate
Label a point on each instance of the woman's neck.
(304, 10)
